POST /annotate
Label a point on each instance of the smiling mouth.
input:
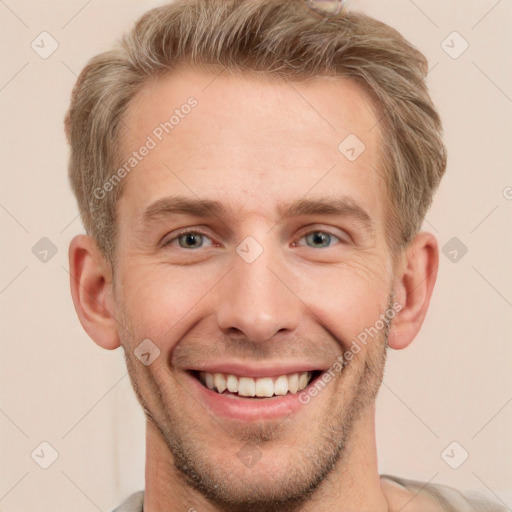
(263, 387)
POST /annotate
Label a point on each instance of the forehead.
(255, 142)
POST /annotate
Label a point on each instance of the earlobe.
(413, 289)
(91, 289)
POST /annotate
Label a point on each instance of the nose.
(255, 301)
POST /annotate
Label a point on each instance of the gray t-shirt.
(132, 504)
(447, 498)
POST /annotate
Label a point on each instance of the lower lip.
(247, 409)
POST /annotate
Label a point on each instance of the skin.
(255, 144)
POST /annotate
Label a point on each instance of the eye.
(188, 240)
(319, 239)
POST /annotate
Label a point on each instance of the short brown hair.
(286, 38)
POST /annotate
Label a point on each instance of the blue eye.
(316, 239)
(319, 239)
(188, 240)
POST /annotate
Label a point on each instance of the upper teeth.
(262, 387)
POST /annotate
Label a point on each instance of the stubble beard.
(315, 458)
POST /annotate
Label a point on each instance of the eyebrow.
(341, 206)
(168, 206)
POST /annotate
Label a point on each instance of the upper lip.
(262, 370)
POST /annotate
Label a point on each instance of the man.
(253, 176)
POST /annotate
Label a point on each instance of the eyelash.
(188, 231)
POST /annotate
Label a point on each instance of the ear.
(91, 289)
(413, 288)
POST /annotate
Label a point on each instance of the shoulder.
(426, 497)
(132, 504)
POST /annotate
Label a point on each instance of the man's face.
(289, 299)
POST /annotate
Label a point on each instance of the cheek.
(346, 299)
(161, 302)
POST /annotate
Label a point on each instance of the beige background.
(453, 384)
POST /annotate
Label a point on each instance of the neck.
(353, 485)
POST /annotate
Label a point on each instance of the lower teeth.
(236, 395)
